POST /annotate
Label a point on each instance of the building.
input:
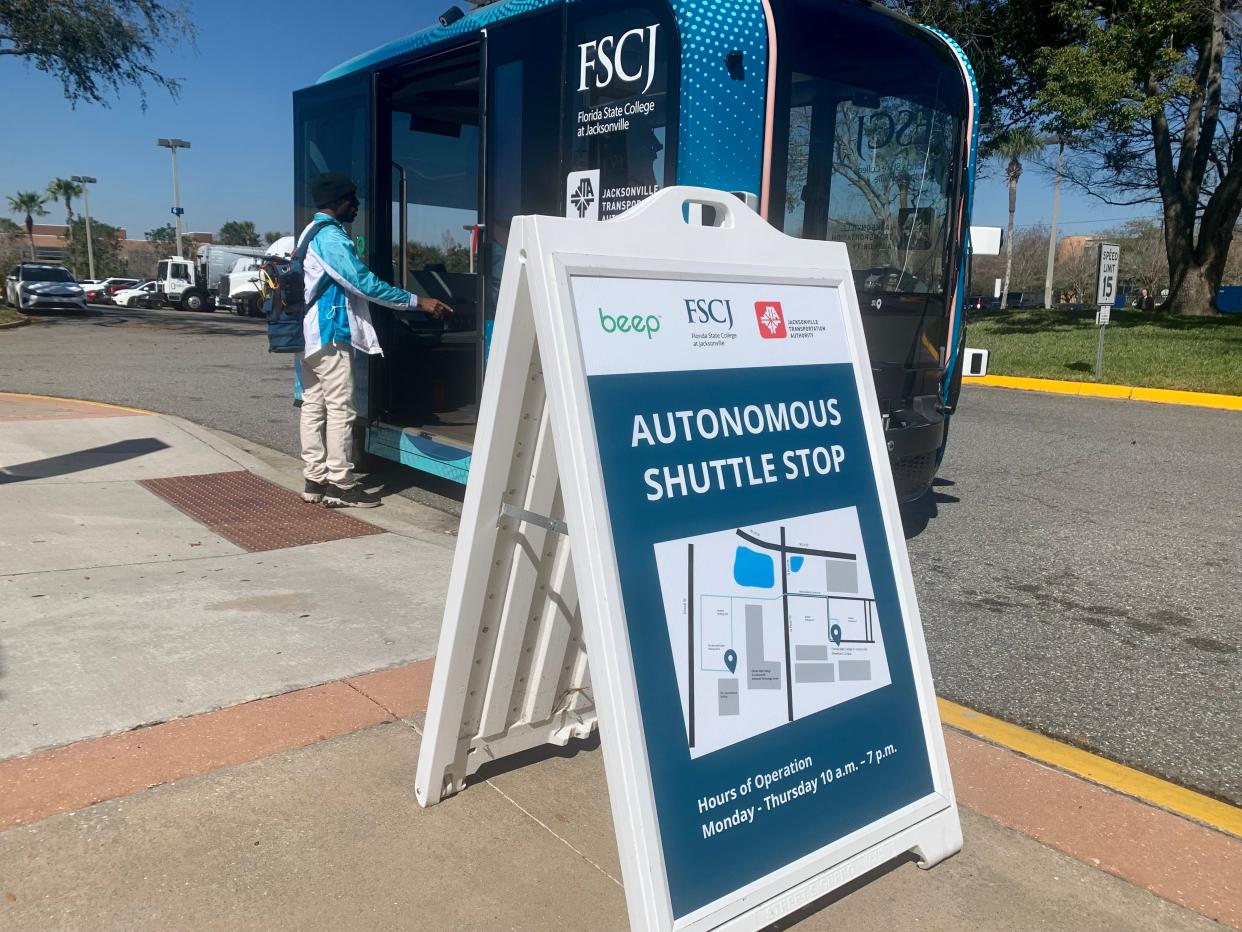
(1070, 248)
(49, 243)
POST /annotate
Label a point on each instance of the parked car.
(96, 292)
(113, 285)
(139, 296)
(34, 285)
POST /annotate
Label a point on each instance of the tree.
(31, 204)
(272, 235)
(1018, 144)
(238, 233)
(11, 245)
(110, 259)
(63, 189)
(1029, 257)
(162, 236)
(96, 47)
(1075, 273)
(1233, 265)
(1153, 90)
(1002, 39)
(1143, 262)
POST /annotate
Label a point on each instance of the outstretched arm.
(346, 269)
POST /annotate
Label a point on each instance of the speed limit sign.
(1106, 275)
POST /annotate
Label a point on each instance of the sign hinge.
(521, 514)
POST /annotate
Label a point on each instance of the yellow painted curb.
(80, 401)
(1123, 779)
(1164, 396)
(1168, 396)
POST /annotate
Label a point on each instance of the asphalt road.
(1078, 564)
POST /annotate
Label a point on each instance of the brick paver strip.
(1180, 860)
(256, 514)
(18, 407)
(403, 691)
(79, 775)
(1191, 865)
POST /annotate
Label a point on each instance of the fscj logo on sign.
(709, 310)
(771, 320)
(605, 58)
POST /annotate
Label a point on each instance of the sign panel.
(767, 715)
(986, 241)
(775, 685)
(1106, 276)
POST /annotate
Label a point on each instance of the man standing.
(337, 288)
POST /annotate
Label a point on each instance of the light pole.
(85, 181)
(172, 145)
(1052, 233)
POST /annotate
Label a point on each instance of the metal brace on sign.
(521, 514)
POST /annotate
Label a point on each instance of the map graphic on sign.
(745, 606)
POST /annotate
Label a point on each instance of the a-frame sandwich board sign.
(680, 472)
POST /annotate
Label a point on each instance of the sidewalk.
(121, 610)
(297, 811)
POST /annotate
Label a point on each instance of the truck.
(239, 288)
(195, 284)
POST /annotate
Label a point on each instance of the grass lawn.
(1154, 350)
(8, 315)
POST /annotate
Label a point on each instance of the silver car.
(33, 286)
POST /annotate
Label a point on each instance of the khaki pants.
(328, 416)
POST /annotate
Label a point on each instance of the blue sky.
(236, 109)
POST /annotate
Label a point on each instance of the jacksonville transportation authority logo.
(771, 320)
(582, 195)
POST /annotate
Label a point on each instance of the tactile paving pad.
(254, 513)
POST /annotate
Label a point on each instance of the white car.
(34, 285)
(139, 296)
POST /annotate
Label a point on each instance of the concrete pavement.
(121, 610)
(297, 811)
(330, 836)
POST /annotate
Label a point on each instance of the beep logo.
(771, 320)
(648, 324)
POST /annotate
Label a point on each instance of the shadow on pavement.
(916, 515)
(535, 755)
(842, 892)
(392, 479)
(81, 459)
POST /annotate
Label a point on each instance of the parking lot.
(1077, 563)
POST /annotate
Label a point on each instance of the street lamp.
(172, 145)
(1052, 233)
(85, 180)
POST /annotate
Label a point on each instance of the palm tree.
(62, 189)
(31, 204)
(1017, 145)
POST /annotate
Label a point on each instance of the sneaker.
(312, 492)
(353, 497)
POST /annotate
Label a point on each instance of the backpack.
(285, 303)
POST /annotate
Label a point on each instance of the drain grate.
(254, 513)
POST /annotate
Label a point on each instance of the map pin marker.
(731, 660)
(835, 633)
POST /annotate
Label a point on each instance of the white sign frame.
(1108, 265)
(975, 363)
(536, 320)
